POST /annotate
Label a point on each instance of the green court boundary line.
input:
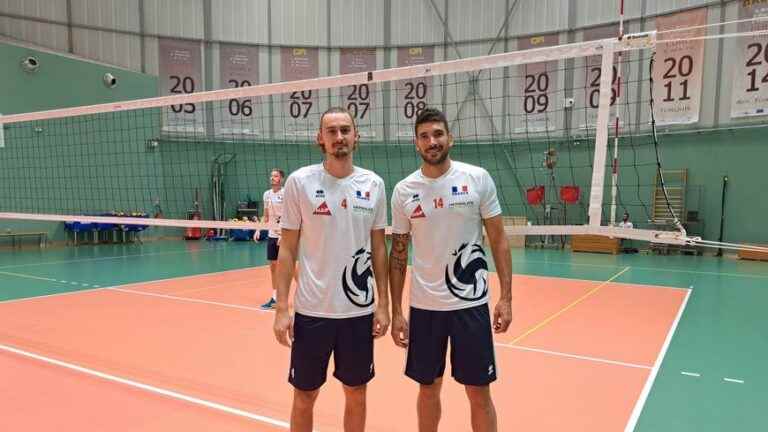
(645, 392)
(146, 387)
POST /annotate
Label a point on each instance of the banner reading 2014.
(677, 71)
(750, 71)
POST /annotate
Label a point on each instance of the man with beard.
(334, 215)
(444, 206)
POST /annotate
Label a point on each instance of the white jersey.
(335, 217)
(444, 217)
(273, 202)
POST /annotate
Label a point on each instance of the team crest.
(357, 279)
(467, 275)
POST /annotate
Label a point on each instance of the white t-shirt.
(336, 217)
(273, 202)
(444, 217)
(626, 224)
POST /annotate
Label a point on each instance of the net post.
(601, 135)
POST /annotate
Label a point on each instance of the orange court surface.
(196, 353)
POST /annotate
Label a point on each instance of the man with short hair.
(334, 215)
(444, 206)
(273, 210)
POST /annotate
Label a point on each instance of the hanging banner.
(678, 69)
(299, 107)
(750, 70)
(359, 98)
(180, 72)
(238, 67)
(538, 100)
(412, 95)
(586, 82)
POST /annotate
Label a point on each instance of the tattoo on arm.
(398, 256)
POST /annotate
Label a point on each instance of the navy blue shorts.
(473, 361)
(314, 339)
(272, 249)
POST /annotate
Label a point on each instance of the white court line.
(97, 287)
(186, 251)
(693, 374)
(23, 276)
(574, 356)
(677, 270)
(147, 387)
(733, 380)
(191, 300)
(598, 280)
(632, 422)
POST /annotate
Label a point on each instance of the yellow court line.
(563, 310)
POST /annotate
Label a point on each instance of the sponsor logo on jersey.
(414, 198)
(418, 213)
(467, 274)
(362, 209)
(460, 190)
(319, 193)
(363, 195)
(357, 279)
(322, 210)
(461, 204)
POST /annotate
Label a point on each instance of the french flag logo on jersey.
(418, 213)
(463, 190)
(322, 210)
(363, 196)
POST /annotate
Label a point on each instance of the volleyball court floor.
(169, 336)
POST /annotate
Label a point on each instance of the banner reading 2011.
(678, 69)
